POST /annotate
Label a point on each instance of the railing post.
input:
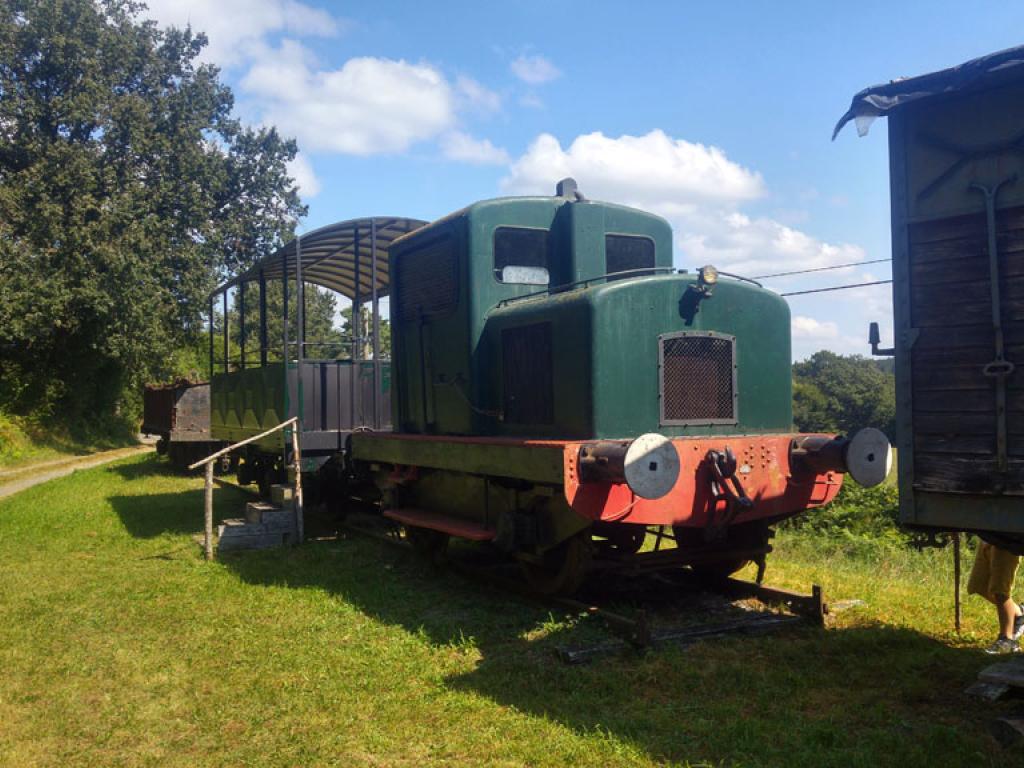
(208, 536)
(299, 522)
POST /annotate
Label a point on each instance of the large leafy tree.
(841, 393)
(127, 190)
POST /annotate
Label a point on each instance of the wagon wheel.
(427, 542)
(561, 569)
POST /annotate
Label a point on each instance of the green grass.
(120, 646)
(28, 440)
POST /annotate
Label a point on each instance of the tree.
(127, 191)
(842, 393)
(366, 331)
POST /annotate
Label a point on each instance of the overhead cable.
(836, 288)
(820, 269)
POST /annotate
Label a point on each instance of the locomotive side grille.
(528, 384)
(426, 281)
(698, 378)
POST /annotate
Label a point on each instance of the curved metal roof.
(330, 256)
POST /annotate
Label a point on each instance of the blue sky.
(716, 115)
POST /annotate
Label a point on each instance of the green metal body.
(247, 402)
(604, 335)
(946, 407)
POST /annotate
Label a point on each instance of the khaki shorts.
(993, 572)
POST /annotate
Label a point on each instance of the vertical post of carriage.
(300, 322)
(263, 319)
(284, 321)
(353, 374)
(374, 341)
(208, 512)
(241, 322)
(211, 335)
(226, 358)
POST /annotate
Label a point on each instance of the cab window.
(624, 253)
(521, 256)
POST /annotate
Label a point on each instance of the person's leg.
(1007, 610)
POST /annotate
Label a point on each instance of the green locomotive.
(557, 388)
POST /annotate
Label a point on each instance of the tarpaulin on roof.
(984, 72)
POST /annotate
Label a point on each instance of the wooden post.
(208, 537)
(299, 523)
(956, 579)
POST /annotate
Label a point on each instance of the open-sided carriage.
(333, 387)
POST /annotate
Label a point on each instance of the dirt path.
(14, 480)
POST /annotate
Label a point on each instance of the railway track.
(638, 610)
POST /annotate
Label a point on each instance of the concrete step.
(281, 494)
(276, 528)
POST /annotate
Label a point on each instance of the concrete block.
(255, 510)
(281, 494)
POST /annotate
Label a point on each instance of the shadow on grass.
(150, 515)
(871, 695)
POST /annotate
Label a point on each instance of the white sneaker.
(1003, 645)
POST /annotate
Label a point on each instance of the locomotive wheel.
(561, 569)
(427, 542)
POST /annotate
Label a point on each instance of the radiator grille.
(698, 379)
(426, 281)
(528, 396)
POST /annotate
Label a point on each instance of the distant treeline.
(842, 393)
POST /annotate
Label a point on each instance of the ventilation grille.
(698, 379)
(526, 371)
(426, 280)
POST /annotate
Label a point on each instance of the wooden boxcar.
(956, 148)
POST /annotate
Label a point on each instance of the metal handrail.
(208, 495)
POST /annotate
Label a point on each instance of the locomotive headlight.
(708, 275)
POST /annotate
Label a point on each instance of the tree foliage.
(127, 190)
(842, 393)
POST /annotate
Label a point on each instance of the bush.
(858, 516)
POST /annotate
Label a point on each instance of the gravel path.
(34, 474)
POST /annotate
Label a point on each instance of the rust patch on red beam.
(763, 469)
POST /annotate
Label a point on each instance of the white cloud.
(301, 170)
(809, 328)
(534, 69)
(477, 96)
(652, 171)
(237, 29)
(369, 105)
(460, 146)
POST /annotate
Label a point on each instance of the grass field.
(120, 646)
